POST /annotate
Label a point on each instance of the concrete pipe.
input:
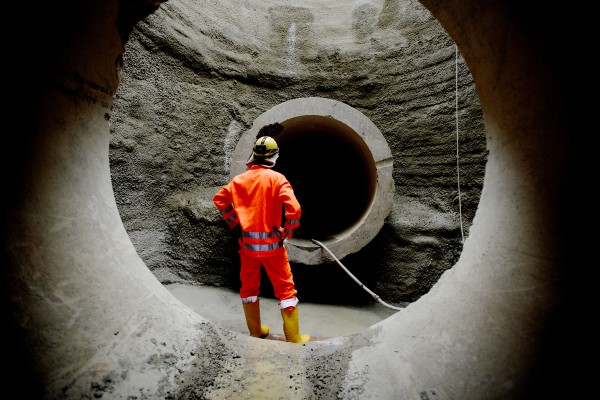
(83, 317)
(325, 143)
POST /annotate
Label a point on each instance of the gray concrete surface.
(322, 321)
(85, 318)
(183, 121)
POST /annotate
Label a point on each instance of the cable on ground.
(353, 277)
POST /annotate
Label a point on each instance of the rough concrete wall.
(194, 80)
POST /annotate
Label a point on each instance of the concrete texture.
(189, 101)
(85, 317)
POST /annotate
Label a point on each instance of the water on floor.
(224, 307)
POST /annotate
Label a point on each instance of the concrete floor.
(224, 307)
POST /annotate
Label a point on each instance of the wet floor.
(224, 307)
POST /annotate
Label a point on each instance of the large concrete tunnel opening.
(340, 166)
(86, 318)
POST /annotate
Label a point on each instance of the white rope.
(376, 297)
(462, 232)
(355, 279)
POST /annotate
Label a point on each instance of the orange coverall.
(255, 200)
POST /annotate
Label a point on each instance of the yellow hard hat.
(265, 146)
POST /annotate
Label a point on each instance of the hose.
(353, 277)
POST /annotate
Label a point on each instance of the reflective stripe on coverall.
(255, 199)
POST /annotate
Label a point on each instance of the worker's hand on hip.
(279, 231)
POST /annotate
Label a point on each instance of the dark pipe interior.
(332, 172)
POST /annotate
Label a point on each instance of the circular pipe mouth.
(332, 172)
(340, 167)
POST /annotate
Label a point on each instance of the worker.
(254, 200)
